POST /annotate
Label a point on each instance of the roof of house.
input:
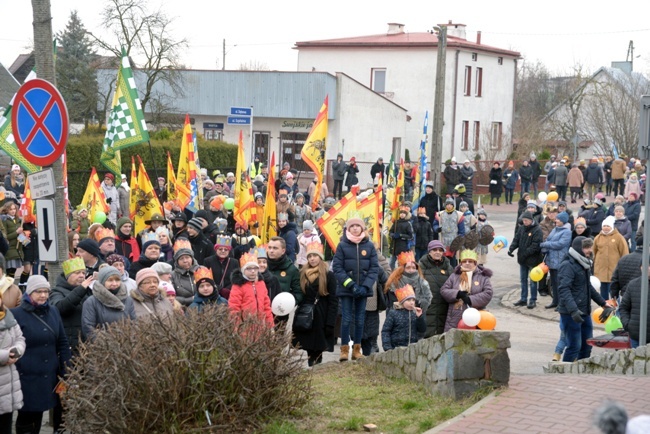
(404, 40)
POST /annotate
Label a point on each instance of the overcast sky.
(560, 34)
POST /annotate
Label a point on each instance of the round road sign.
(39, 120)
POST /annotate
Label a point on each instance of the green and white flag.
(126, 125)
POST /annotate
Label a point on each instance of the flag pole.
(155, 169)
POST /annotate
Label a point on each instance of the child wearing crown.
(401, 233)
(404, 322)
(206, 290)
(408, 273)
(248, 294)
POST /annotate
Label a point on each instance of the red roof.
(422, 39)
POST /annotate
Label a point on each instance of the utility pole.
(438, 108)
(45, 69)
(223, 60)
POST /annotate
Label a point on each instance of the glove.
(329, 332)
(439, 230)
(512, 255)
(109, 200)
(395, 236)
(577, 317)
(466, 299)
(358, 291)
(607, 311)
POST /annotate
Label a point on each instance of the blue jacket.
(575, 288)
(355, 264)
(632, 212)
(291, 239)
(46, 354)
(201, 301)
(556, 246)
(511, 177)
(401, 328)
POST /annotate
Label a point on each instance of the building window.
(213, 134)
(478, 85)
(477, 134)
(262, 140)
(464, 146)
(500, 60)
(378, 78)
(397, 146)
(468, 80)
(474, 56)
(495, 139)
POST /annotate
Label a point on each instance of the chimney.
(478, 37)
(395, 29)
(455, 30)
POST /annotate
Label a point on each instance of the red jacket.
(250, 297)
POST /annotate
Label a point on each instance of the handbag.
(303, 320)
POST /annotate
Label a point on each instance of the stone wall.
(453, 364)
(635, 361)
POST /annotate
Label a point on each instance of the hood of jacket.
(107, 298)
(138, 295)
(290, 226)
(237, 278)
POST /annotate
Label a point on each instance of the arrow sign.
(47, 239)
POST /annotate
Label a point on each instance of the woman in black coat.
(351, 169)
(46, 356)
(496, 182)
(319, 287)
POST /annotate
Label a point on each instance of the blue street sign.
(241, 111)
(239, 120)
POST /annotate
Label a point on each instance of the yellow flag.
(244, 204)
(269, 222)
(368, 208)
(94, 198)
(173, 186)
(332, 223)
(147, 203)
(186, 167)
(133, 187)
(313, 151)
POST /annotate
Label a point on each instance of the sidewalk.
(550, 404)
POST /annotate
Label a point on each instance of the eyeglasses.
(467, 261)
(222, 249)
(42, 292)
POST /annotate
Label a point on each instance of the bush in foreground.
(199, 373)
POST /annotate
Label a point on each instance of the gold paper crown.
(469, 254)
(355, 215)
(72, 265)
(223, 241)
(149, 236)
(247, 258)
(202, 273)
(405, 257)
(404, 293)
(315, 247)
(102, 233)
(182, 243)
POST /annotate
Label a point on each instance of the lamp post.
(438, 107)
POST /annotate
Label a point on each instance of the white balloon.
(542, 196)
(595, 282)
(471, 317)
(283, 304)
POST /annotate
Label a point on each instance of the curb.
(473, 409)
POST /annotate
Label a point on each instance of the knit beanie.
(148, 243)
(122, 221)
(609, 221)
(307, 225)
(531, 203)
(106, 272)
(355, 221)
(167, 287)
(90, 246)
(162, 268)
(580, 221)
(36, 281)
(181, 252)
(196, 224)
(435, 244)
(202, 214)
(527, 215)
(144, 274)
(563, 217)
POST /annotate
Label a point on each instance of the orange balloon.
(552, 196)
(488, 321)
(543, 267)
(595, 315)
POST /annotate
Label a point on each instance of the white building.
(479, 86)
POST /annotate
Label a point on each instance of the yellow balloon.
(552, 196)
(536, 274)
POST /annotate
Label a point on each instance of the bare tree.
(145, 35)
(253, 65)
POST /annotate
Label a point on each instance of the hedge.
(84, 152)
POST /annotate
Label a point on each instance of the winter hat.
(463, 204)
(162, 230)
(112, 259)
(36, 281)
(563, 217)
(531, 203)
(122, 221)
(162, 268)
(106, 272)
(248, 260)
(110, 176)
(609, 221)
(167, 287)
(149, 239)
(70, 266)
(450, 201)
(90, 246)
(15, 167)
(307, 225)
(527, 215)
(404, 293)
(435, 244)
(580, 221)
(195, 224)
(355, 221)
(481, 212)
(144, 274)
(580, 242)
(283, 216)
(181, 217)
(202, 214)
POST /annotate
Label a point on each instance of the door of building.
(291, 145)
(262, 140)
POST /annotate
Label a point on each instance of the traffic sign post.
(243, 116)
(241, 111)
(41, 184)
(47, 237)
(39, 121)
(239, 120)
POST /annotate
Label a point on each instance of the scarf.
(356, 239)
(312, 274)
(5, 283)
(582, 260)
(2, 313)
(125, 186)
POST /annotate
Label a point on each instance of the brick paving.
(551, 404)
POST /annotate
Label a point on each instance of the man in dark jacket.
(593, 178)
(608, 175)
(527, 242)
(537, 171)
(467, 177)
(402, 233)
(452, 175)
(431, 202)
(526, 176)
(379, 168)
(282, 267)
(423, 233)
(576, 293)
(460, 195)
(436, 269)
(627, 269)
(88, 250)
(201, 246)
(633, 212)
(339, 169)
(630, 312)
(288, 230)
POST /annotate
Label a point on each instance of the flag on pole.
(133, 186)
(172, 185)
(146, 202)
(420, 174)
(94, 198)
(313, 151)
(198, 201)
(244, 203)
(26, 210)
(126, 125)
(66, 198)
(368, 208)
(269, 222)
(332, 223)
(390, 178)
(614, 151)
(187, 174)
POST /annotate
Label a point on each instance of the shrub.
(198, 373)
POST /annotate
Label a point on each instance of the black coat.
(202, 248)
(436, 274)
(377, 168)
(528, 242)
(423, 232)
(351, 171)
(574, 287)
(46, 355)
(526, 173)
(627, 269)
(537, 169)
(221, 272)
(321, 336)
(496, 181)
(430, 202)
(401, 232)
(630, 311)
(69, 301)
(140, 264)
